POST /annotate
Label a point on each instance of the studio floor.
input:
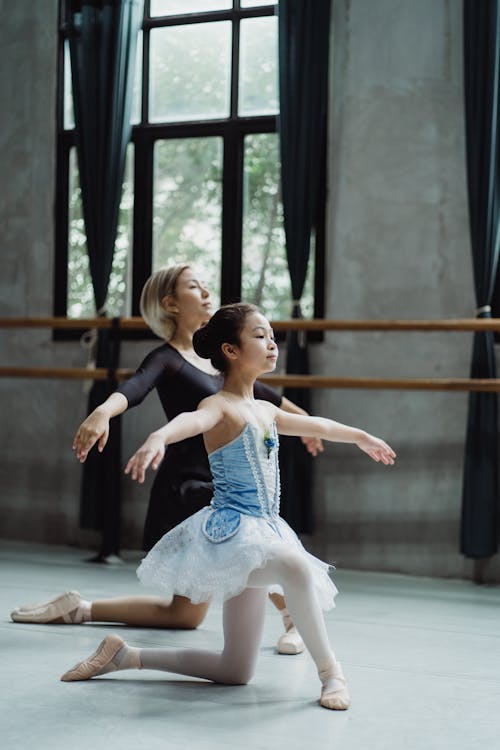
(422, 658)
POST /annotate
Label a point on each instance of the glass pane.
(136, 95)
(256, 3)
(174, 7)
(69, 117)
(259, 66)
(190, 72)
(80, 302)
(265, 277)
(187, 206)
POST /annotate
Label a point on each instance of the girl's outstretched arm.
(183, 426)
(327, 429)
(313, 444)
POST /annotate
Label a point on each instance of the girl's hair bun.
(202, 342)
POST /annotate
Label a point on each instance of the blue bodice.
(246, 480)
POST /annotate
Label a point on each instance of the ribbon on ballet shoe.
(334, 693)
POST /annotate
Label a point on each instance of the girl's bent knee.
(295, 569)
(239, 677)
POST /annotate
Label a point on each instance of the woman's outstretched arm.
(95, 428)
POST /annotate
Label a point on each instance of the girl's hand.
(314, 445)
(376, 449)
(94, 428)
(149, 454)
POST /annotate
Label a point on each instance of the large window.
(202, 177)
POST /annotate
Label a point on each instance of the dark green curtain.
(100, 501)
(103, 44)
(479, 529)
(304, 37)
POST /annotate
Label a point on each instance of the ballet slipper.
(100, 662)
(334, 693)
(46, 612)
(291, 642)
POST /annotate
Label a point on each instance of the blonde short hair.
(162, 283)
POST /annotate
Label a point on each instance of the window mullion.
(143, 215)
(235, 67)
(145, 77)
(232, 217)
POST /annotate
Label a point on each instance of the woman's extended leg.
(234, 665)
(150, 612)
(138, 611)
(141, 612)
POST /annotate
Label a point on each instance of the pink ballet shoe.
(291, 642)
(97, 662)
(334, 694)
(46, 612)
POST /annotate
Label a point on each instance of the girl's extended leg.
(138, 611)
(293, 573)
(234, 665)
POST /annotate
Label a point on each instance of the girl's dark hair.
(224, 327)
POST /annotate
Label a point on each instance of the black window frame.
(144, 136)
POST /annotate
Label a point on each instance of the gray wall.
(398, 248)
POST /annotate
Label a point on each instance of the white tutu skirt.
(185, 562)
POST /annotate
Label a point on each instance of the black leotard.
(183, 483)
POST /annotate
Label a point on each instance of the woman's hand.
(149, 454)
(314, 445)
(95, 428)
(376, 449)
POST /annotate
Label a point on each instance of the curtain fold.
(103, 44)
(479, 523)
(304, 37)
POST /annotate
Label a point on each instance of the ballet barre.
(289, 380)
(302, 324)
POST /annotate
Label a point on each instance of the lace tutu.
(187, 563)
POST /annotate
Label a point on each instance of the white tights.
(243, 621)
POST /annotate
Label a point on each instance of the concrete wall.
(39, 476)
(398, 248)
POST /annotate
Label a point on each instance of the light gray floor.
(422, 658)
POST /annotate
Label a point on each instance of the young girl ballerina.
(238, 547)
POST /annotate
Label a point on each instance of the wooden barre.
(125, 324)
(385, 384)
(317, 324)
(290, 381)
